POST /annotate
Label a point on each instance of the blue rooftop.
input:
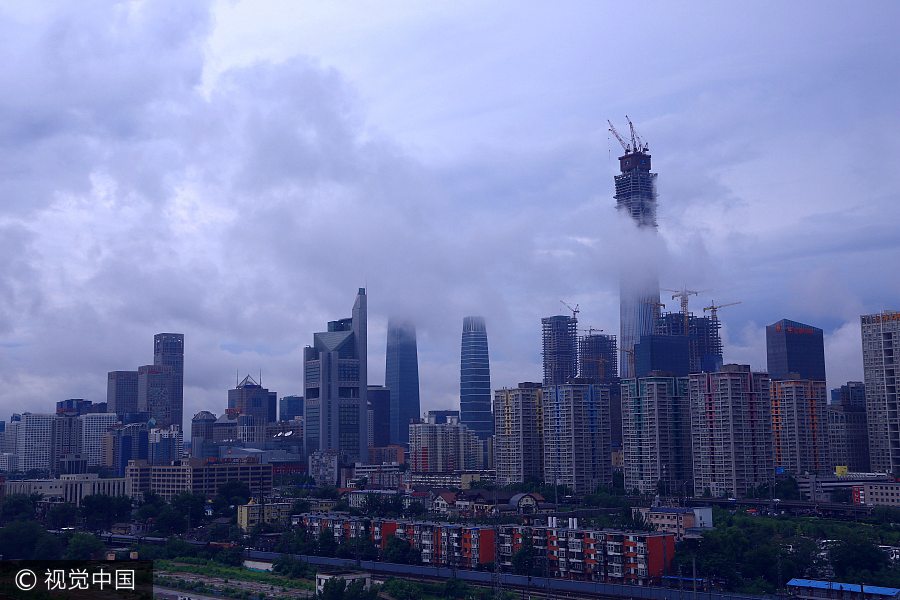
(844, 587)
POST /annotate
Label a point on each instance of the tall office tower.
(123, 444)
(731, 431)
(401, 377)
(848, 435)
(202, 434)
(475, 379)
(793, 347)
(258, 404)
(335, 387)
(381, 404)
(93, 431)
(577, 436)
(639, 286)
(35, 441)
(443, 447)
(168, 350)
(597, 360)
(519, 434)
(656, 435)
(559, 336)
(800, 426)
(122, 392)
(155, 383)
(66, 440)
(11, 436)
(74, 407)
(704, 342)
(881, 363)
(290, 407)
(164, 445)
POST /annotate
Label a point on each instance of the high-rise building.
(290, 407)
(559, 336)
(731, 431)
(34, 443)
(202, 434)
(93, 431)
(519, 434)
(597, 358)
(335, 387)
(475, 379)
(168, 350)
(122, 392)
(639, 285)
(164, 445)
(848, 435)
(67, 440)
(401, 377)
(704, 342)
(443, 447)
(155, 384)
(656, 435)
(75, 407)
(125, 443)
(793, 347)
(252, 400)
(380, 407)
(800, 426)
(577, 436)
(442, 416)
(881, 367)
(663, 354)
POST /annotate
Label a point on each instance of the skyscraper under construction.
(639, 284)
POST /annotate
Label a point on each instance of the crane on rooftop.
(637, 143)
(683, 295)
(713, 309)
(575, 310)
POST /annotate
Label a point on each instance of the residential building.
(168, 351)
(443, 447)
(800, 426)
(881, 367)
(66, 440)
(335, 387)
(9, 463)
(94, 428)
(731, 431)
(577, 436)
(401, 377)
(325, 467)
(680, 521)
(793, 347)
(559, 337)
(442, 416)
(877, 493)
(122, 392)
(387, 455)
(656, 435)
(475, 379)
(379, 476)
(253, 514)
(290, 407)
(519, 434)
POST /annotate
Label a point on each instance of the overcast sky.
(236, 171)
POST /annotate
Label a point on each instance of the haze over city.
(235, 171)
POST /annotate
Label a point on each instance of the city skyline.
(141, 228)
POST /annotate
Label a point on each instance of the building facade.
(290, 407)
(197, 477)
(800, 426)
(519, 434)
(168, 351)
(380, 401)
(122, 392)
(401, 377)
(656, 435)
(848, 434)
(443, 447)
(34, 443)
(793, 347)
(577, 436)
(559, 340)
(335, 386)
(93, 431)
(156, 385)
(475, 378)
(257, 404)
(731, 431)
(881, 367)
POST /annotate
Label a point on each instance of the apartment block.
(519, 434)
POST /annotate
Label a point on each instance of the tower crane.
(637, 142)
(625, 145)
(713, 309)
(575, 310)
(683, 295)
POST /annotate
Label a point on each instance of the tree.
(170, 521)
(61, 515)
(234, 492)
(23, 540)
(101, 511)
(192, 506)
(855, 554)
(402, 590)
(82, 546)
(523, 561)
(400, 551)
(18, 507)
(326, 544)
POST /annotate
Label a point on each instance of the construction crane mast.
(683, 295)
(575, 310)
(612, 130)
(713, 309)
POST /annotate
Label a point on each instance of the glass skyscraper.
(168, 351)
(401, 377)
(639, 285)
(475, 379)
(793, 347)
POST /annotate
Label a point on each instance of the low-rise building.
(69, 488)
(202, 477)
(811, 589)
(677, 520)
(385, 476)
(349, 577)
(882, 493)
(252, 514)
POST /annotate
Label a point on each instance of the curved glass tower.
(639, 292)
(401, 376)
(475, 379)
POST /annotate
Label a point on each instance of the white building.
(34, 441)
(68, 488)
(443, 447)
(881, 366)
(800, 426)
(93, 430)
(519, 433)
(9, 463)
